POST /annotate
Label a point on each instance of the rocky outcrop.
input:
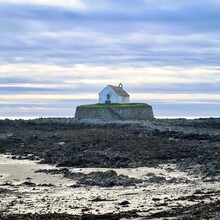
(193, 144)
(115, 113)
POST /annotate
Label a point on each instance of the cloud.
(93, 96)
(77, 4)
(90, 74)
(108, 33)
(50, 50)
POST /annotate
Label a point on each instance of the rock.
(46, 185)
(116, 144)
(156, 199)
(8, 183)
(4, 191)
(156, 179)
(150, 174)
(75, 186)
(104, 179)
(28, 183)
(125, 202)
(99, 199)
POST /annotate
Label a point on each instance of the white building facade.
(114, 94)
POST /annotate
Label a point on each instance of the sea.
(158, 117)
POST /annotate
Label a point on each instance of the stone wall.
(115, 113)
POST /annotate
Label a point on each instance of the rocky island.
(116, 111)
(114, 104)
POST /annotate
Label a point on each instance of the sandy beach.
(146, 198)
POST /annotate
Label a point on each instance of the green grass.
(114, 105)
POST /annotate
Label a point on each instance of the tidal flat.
(69, 169)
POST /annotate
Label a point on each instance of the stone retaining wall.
(115, 113)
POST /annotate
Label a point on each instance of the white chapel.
(113, 94)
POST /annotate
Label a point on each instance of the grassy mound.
(115, 105)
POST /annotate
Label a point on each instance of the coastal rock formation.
(169, 168)
(132, 111)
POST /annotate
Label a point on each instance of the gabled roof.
(119, 91)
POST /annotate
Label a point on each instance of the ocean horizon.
(157, 117)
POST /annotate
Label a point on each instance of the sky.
(55, 55)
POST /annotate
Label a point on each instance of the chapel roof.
(119, 90)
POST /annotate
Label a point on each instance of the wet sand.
(145, 198)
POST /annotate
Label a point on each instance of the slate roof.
(119, 91)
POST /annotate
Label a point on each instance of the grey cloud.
(22, 28)
(59, 89)
(26, 90)
(176, 88)
(188, 14)
(94, 51)
(193, 88)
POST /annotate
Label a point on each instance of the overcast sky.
(55, 55)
